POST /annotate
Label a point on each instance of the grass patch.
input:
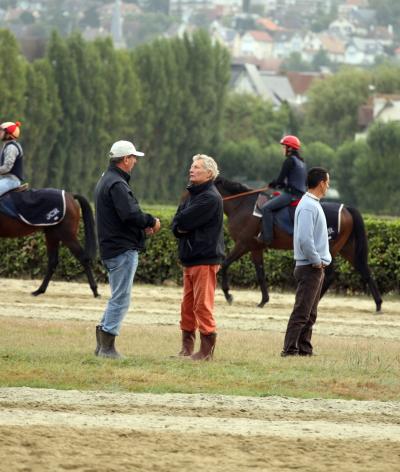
(59, 354)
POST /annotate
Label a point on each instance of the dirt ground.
(50, 430)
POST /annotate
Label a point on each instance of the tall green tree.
(12, 77)
(42, 121)
(376, 175)
(332, 108)
(66, 76)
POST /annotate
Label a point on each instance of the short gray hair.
(209, 164)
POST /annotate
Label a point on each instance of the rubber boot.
(107, 346)
(188, 340)
(96, 351)
(207, 346)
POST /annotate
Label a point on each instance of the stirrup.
(22, 188)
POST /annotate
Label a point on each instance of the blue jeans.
(8, 182)
(121, 272)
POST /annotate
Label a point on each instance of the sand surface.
(52, 430)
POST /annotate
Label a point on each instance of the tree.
(247, 116)
(61, 171)
(332, 109)
(43, 118)
(344, 171)
(12, 78)
(377, 171)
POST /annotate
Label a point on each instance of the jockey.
(11, 170)
(292, 179)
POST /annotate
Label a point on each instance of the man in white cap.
(121, 229)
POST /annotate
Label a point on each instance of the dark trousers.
(267, 214)
(304, 314)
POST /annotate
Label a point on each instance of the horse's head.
(227, 187)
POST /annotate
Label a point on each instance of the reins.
(243, 194)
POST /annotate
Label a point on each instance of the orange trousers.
(197, 305)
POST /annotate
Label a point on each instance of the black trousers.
(304, 314)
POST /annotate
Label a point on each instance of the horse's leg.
(52, 245)
(348, 252)
(356, 252)
(258, 261)
(77, 250)
(237, 252)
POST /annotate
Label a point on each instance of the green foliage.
(380, 194)
(331, 113)
(12, 78)
(26, 257)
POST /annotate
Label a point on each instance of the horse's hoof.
(97, 295)
(378, 308)
(37, 292)
(229, 299)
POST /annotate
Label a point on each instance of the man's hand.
(153, 229)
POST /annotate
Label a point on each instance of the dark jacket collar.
(119, 171)
(196, 189)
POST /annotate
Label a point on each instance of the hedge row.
(26, 258)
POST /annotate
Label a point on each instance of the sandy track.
(160, 305)
(48, 430)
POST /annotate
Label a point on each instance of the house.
(383, 108)
(247, 78)
(362, 51)
(256, 43)
(301, 83)
(287, 42)
(269, 26)
(341, 28)
(228, 37)
(334, 47)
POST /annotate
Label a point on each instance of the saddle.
(284, 218)
(43, 207)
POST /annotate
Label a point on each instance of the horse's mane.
(232, 187)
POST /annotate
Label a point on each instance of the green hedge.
(26, 258)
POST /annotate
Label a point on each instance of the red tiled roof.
(301, 81)
(261, 36)
(269, 24)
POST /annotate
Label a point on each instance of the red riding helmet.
(13, 129)
(291, 141)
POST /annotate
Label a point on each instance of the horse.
(243, 227)
(64, 232)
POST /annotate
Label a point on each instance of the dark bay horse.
(243, 227)
(66, 232)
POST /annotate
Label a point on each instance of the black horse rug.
(42, 207)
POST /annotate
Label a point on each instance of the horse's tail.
(90, 247)
(361, 255)
(361, 242)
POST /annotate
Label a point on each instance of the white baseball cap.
(124, 148)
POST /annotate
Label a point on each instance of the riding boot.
(107, 346)
(267, 233)
(96, 351)
(188, 339)
(207, 346)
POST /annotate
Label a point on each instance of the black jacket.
(201, 218)
(120, 221)
(293, 175)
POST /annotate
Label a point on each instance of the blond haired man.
(198, 224)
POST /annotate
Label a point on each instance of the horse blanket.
(42, 207)
(284, 218)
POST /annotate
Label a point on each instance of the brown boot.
(107, 346)
(207, 346)
(96, 351)
(188, 339)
